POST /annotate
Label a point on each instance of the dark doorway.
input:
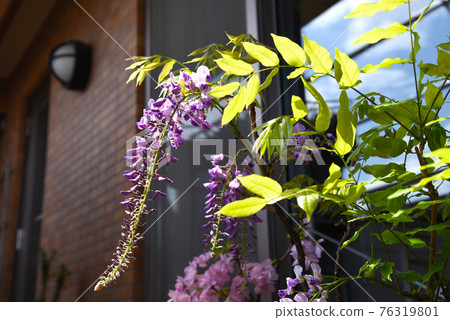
(28, 233)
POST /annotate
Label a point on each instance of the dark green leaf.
(389, 147)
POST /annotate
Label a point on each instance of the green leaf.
(377, 34)
(347, 71)
(445, 46)
(233, 66)
(386, 270)
(268, 80)
(390, 238)
(435, 267)
(422, 15)
(308, 199)
(222, 91)
(324, 116)
(267, 57)
(346, 127)
(369, 9)
(354, 193)
(443, 61)
(263, 186)
(433, 96)
(355, 236)
(235, 106)
(291, 52)
(416, 46)
(410, 276)
(389, 147)
(318, 57)
(252, 89)
(437, 137)
(166, 70)
(299, 109)
(297, 72)
(382, 170)
(386, 63)
(370, 267)
(330, 182)
(243, 208)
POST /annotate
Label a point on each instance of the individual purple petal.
(300, 297)
(234, 184)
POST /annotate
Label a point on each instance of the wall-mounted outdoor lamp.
(70, 63)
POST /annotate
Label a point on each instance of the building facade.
(61, 151)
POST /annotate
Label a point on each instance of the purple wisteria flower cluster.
(206, 280)
(185, 99)
(312, 252)
(312, 282)
(224, 187)
(304, 146)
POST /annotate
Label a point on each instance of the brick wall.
(85, 146)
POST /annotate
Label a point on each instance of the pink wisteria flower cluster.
(223, 280)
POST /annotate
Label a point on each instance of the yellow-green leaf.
(324, 116)
(299, 109)
(263, 186)
(369, 9)
(233, 66)
(318, 57)
(347, 71)
(166, 70)
(136, 64)
(243, 208)
(346, 127)
(235, 106)
(141, 76)
(297, 72)
(291, 52)
(386, 63)
(267, 57)
(268, 80)
(252, 89)
(308, 199)
(442, 153)
(330, 182)
(133, 75)
(375, 35)
(222, 91)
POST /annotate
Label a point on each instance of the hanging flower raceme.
(224, 188)
(186, 99)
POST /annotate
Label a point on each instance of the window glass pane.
(331, 30)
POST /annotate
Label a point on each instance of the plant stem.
(442, 274)
(337, 268)
(433, 195)
(413, 56)
(294, 238)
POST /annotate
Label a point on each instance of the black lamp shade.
(70, 63)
